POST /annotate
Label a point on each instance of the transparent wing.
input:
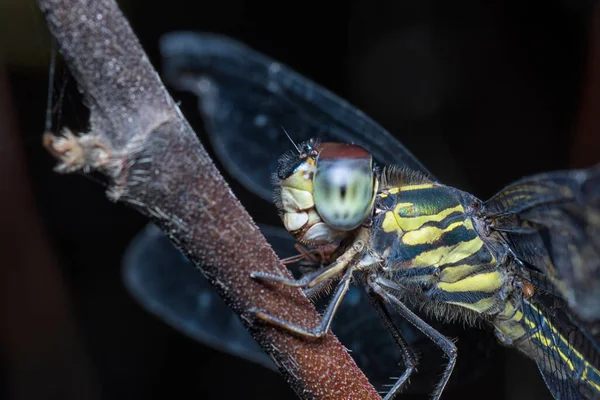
(246, 98)
(567, 356)
(552, 222)
(164, 282)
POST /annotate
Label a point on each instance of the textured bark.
(155, 164)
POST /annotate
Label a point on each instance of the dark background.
(494, 90)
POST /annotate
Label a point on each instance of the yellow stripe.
(448, 254)
(484, 282)
(550, 344)
(428, 234)
(530, 324)
(510, 328)
(453, 274)
(415, 187)
(412, 223)
(462, 251)
(562, 339)
(511, 331)
(468, 223)
(584, 376)
(555, 332)
(573, 352)
(481, 306)
(389, 223)
(509, 309)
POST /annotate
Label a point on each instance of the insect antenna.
(291, 140)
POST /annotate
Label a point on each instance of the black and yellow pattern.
(426, 239)
(425, 233)
(566, 370)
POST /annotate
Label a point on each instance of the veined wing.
(164, 282)
(567, 357)
(246, 98)
(552, 222)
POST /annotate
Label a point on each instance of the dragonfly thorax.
(427, 239)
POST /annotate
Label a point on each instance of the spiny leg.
(293, 259)
(309, 280)
(303, 254)
(408, 357)
(315, 260)
(315, 291)
(440, 340)
(323, 327)
(327, 273)
(313, 278)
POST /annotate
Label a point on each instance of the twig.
(155, 164)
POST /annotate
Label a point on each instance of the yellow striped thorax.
(325, 190)
(425, 237)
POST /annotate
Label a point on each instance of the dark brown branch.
(156, 164)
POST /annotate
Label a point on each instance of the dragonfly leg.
(305, 281)
(303, 254)
(323, 327)
(408, 357)
(315, 291)
(314, 278)
(447, 346)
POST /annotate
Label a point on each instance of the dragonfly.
(164, 282)
(513, 262)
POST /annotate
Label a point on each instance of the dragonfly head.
(325, 191)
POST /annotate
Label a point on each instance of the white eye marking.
(294, 221)
(320, 233)
(296, 199)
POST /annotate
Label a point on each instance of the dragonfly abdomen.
(568, 373)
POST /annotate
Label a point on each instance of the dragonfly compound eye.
(344, 185)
